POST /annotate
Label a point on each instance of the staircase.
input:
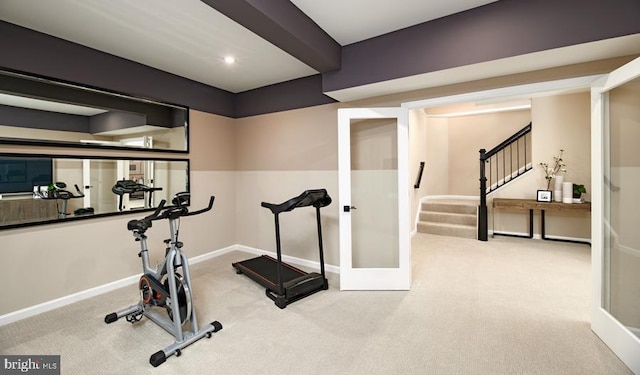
(454, 218)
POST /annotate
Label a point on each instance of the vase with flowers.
(554, 171)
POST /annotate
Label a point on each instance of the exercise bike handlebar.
(166, 212)
(175, 211)
(203, 210)
(61, 193)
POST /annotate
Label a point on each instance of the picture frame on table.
(544, 196)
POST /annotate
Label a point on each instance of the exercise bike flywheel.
(184, 298)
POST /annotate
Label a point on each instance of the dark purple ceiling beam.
(498, 30)
(284, 25)
(294, 94)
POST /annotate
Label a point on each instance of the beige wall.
(272, 158)
(418, 153)
(212, 142)
(297, 140)
(436, 175)
(280, 155)
(467, 135)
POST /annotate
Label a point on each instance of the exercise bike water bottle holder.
(165, 293)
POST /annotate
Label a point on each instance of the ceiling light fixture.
(229, 60)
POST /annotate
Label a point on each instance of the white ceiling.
(190, 39)
(350, 21)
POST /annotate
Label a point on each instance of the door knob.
(349, 208)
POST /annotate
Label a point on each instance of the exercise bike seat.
(139, 226)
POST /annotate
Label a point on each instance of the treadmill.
(284, 283)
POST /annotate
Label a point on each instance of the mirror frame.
(95, 91)
(98, 215)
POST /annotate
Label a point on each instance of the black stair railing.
(501, 165)
(419, 179)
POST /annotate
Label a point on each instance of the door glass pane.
(374, 193)
(103, 177)
(622, 206)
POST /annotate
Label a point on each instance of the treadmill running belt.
(266, 269)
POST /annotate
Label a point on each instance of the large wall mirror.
(37, 110)
(39, 189)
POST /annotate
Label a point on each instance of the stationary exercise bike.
(165, 292)
(131, 187)
(58, 191)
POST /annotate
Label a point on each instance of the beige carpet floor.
(507, 306)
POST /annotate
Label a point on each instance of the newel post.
(483, 231)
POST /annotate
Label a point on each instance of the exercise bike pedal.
(134, 317)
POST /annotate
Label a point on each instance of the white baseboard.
(127, 281)
(566, 238)
(289, 259)
(66, 300)
(539, 237)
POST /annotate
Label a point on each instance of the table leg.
(542, 224)
(530, 223)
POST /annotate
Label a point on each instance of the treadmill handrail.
(315, 197)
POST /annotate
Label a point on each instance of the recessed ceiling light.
(229, 60)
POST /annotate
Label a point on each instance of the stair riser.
(447, 231)
(452, 208)
(438, 217)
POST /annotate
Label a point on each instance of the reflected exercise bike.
(58, 190)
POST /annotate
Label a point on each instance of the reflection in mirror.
(37, 189)
(37, 110)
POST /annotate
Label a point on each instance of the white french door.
(615, 184)
(375, 251)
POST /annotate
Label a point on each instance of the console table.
(531, 204)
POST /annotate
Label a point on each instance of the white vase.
(557, 188)
(557, 182)
(567, 192)
(557, 195)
